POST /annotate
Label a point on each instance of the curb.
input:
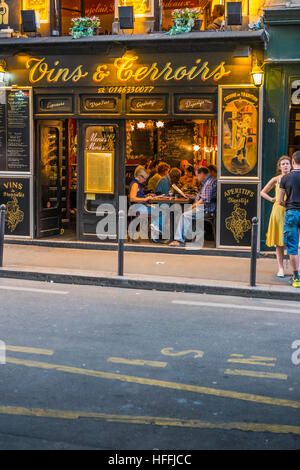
(134, 248)
(166, 286)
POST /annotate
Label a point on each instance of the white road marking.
(31, 289)
(233, 306)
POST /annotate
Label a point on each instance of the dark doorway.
(56, 178)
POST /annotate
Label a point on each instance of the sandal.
(176, 243)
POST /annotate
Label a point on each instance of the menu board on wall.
(142, 142)
(238, 205)
(15, 194)
(176, 142)
(99, 172)
(15, 130)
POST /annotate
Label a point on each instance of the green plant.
(184, 20)
(84, 26)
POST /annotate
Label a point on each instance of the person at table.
(138, 200)
(183, 165)
(188, 182)
(162, 170)
(144, 162)
(165, 183)
(205, 202)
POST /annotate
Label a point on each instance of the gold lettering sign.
(14, 215)
(125, 69)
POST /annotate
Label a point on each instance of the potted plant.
(84, 26)
(186, 20)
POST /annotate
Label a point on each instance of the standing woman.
(274, 235)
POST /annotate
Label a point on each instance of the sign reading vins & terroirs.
(14, 130)
(15, 194)
(238, 203)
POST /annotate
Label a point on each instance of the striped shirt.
(208, 193)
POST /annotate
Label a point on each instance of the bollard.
(2, 230)
(121, 237)
(253, 251)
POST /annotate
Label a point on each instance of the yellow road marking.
(251, 361)
(159, 383)
(47, 352)
(137, 362)
(264, 358)
(251, 373)
(150, 420)
(167, 352)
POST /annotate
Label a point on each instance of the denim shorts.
(291, 231)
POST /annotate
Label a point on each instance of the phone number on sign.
(126, 89)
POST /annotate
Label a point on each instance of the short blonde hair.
(141, 172)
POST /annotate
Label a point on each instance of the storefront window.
(150, 142)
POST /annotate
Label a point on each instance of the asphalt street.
(87, 367)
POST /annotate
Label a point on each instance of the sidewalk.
(224, 275)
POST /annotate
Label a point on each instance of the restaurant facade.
(76, 116)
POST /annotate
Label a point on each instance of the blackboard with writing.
(177, 142)
(142, 142)
(14, 130)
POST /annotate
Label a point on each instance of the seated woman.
(162, 170)
(138, 201)
(165, 183)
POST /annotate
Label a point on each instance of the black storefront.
(89, 108)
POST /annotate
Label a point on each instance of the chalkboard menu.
(142, 142)
(176, 142)
(15, 130)
(15, 194)
(238, 205)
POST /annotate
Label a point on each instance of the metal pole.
(2, 230)
(121, 237)
(254, 231)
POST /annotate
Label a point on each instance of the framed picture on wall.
(239, 132)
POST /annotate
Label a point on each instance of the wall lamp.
(257, 74)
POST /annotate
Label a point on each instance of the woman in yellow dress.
(274, 235)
